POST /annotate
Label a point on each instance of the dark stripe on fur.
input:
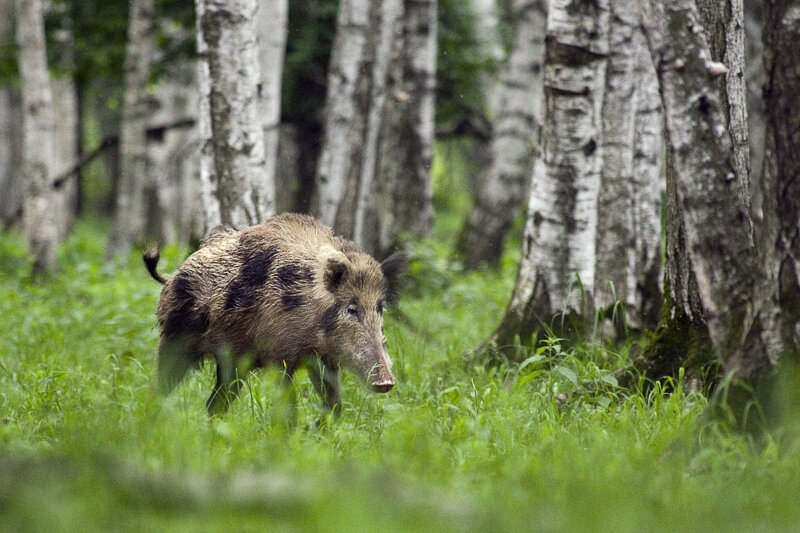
(292, 300)
(243, 291)
(330, 320)
(291, 275)
(184, 319)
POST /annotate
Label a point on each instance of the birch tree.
(357, 91)
(715, 304)
(271, 28)
(129, 213)
(559, 239)
(236, 190)
(513, 146)
(628, 233)
(780, 186)
(39, 223)
(404, 202)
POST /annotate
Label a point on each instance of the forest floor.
(85, 444)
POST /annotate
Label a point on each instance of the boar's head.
(353, 325)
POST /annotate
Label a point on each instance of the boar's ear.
(336, 269)
(393, 267)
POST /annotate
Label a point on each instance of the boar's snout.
(383, 386)
(382, 379)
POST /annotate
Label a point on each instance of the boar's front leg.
(228, 385)
(325, 379)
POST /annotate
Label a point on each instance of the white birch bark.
(129, 217)
(272, 22)
(229, 83)
(357, 84)
(487, 32)
(644, 290)
(628, 233)
(208, 182)
(559, 239)
(518, 117)
(404, 203)
(713, 272)
(65, 106)
(39, 222)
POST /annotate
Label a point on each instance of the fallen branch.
(153, 133)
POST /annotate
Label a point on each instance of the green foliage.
(85, 443)
(461, 61)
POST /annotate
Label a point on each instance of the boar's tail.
(151, 257)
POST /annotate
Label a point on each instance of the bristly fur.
(277, 293)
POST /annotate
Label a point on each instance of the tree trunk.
(271, 31)
(628, 232)
(65, 106)
(11, 182)
(40, 224)
(357, 84)
(171, 203)
(780, 183)
(559, 239)
(405, 191)
(714, 282)
(755, 79)
(500, 195)
(236, 189)
(129, 217)
(644, 292)
(10, 131)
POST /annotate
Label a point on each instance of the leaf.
(569, 374)
(528, 377)
(529, 361)
(610, 379)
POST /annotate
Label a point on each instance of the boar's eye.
(352, 310)
(380, 308)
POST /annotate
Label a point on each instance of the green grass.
(85, 444)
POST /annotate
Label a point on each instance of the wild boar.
(285, 292)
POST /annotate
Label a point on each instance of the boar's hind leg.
(226, 389)
(175, 359)
(325, 379)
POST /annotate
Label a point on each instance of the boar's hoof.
(383, 386)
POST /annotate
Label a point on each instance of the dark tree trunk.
(715, 290)
(781, 176)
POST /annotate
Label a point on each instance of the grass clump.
(86, 444)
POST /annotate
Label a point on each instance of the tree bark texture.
(233, 170)
(781, 176)
(755, 79)
(644, 290)
(559, 238)
(40, 224)
(271, 30)
(65, 107)
(129, 216)
(627, 266)
(357, 87)
(715, 290)
(514, 139)
(174, 196)
(404, 203)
